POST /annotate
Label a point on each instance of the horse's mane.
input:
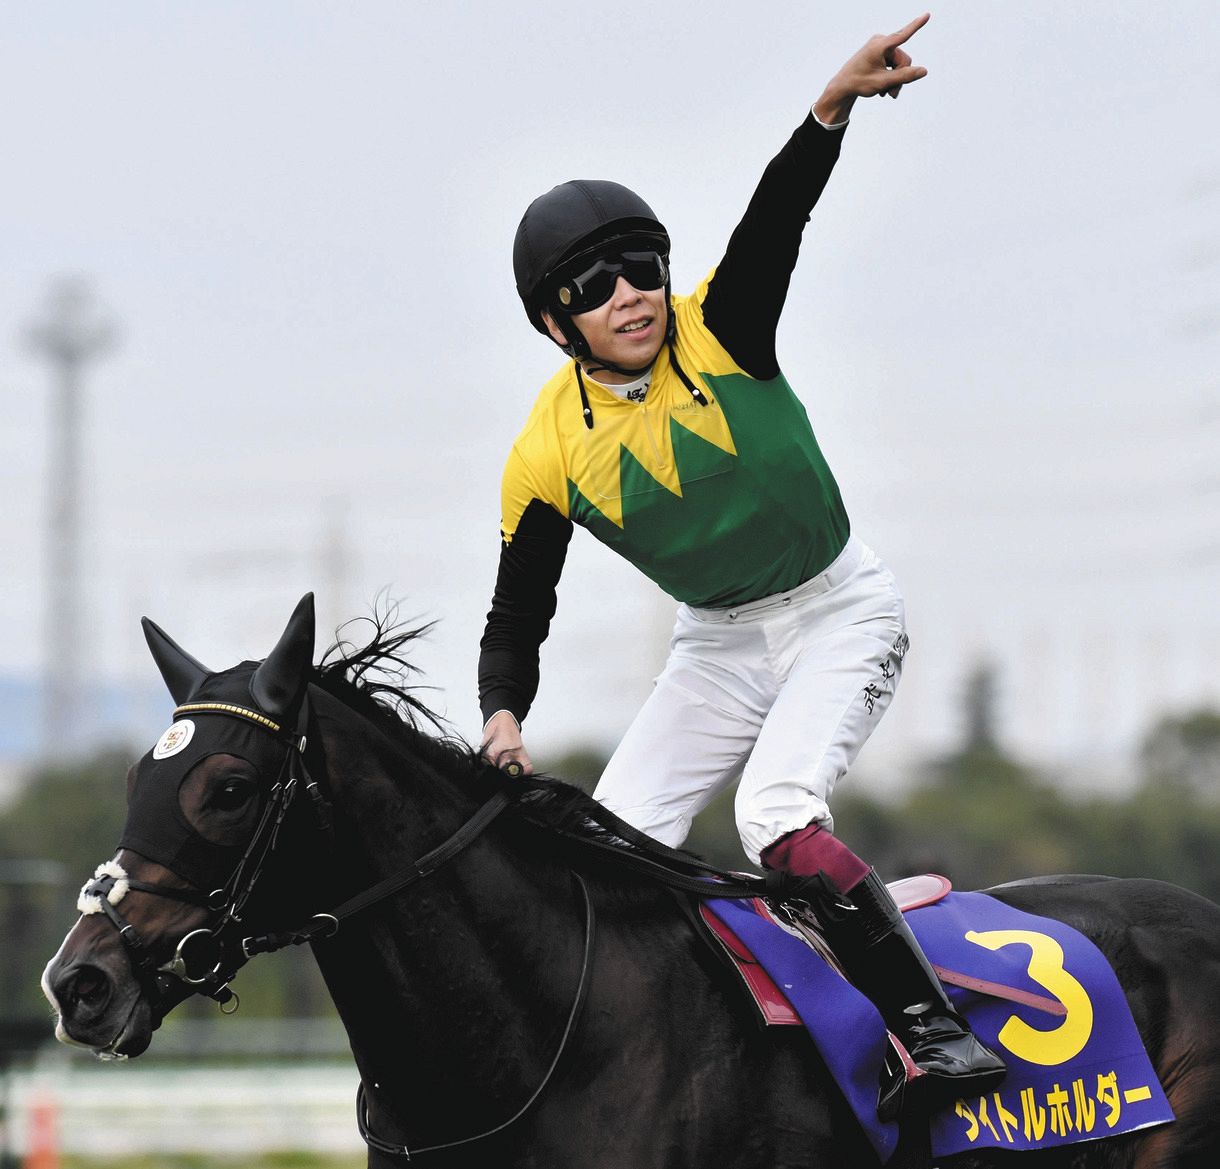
(374, 679)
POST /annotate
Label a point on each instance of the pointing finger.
(905, 34)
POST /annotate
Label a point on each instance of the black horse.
(514, 993)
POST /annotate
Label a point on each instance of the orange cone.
(42, 1143)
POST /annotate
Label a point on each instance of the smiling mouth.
(635, 326)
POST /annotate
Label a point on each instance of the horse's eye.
(233, 794)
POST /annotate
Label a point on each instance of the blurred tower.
(981, 709)
(70, 329)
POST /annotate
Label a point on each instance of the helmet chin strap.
(579, 349)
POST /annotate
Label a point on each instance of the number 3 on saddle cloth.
(1035, 990)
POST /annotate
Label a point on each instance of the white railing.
(262, 1086)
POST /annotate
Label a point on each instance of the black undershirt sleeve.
(521, 610)
(746, 295)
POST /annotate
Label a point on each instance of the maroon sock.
(811, 850)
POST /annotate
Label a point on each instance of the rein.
(323, 925)
(204, 962)
(582, 992)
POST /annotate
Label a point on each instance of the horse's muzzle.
(100, 1004)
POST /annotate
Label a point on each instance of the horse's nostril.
(88, 988)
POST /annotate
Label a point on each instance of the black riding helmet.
(571, 220)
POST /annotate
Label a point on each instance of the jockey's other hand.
(502, 743)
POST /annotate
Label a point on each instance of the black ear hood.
(275, 686)
(568, 219)
(156, 827)
(278, 683)
(182, 673)
(248, 711)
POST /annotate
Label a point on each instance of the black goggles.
(579, 292)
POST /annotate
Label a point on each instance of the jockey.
(674, 438)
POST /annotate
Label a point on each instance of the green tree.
(1171, 826)
(980, 816)
(1181, 754)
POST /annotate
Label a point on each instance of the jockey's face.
(629, 329)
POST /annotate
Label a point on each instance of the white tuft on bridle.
(90, 902)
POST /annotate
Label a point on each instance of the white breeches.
(781, 693)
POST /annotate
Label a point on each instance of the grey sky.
(1005, 323)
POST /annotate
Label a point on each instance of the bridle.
(206, 960)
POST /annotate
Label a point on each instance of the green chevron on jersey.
(745, 526)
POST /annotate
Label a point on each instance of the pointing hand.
(881, 66)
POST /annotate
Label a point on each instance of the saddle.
(1032, 988)
(770, 1003)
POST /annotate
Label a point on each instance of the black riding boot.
(882, 957)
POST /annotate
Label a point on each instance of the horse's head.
(160, 920)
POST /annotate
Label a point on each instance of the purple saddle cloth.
(1077, 1068)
